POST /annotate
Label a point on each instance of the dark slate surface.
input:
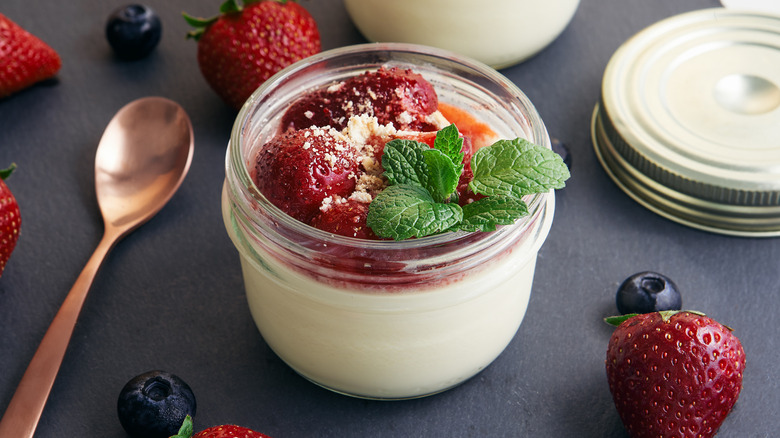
(170, 295)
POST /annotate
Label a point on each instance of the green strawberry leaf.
(5, 173)
(201, 24)
(486, 213)
(186, 430)
(198, 21)
(403, 211)
(516, 168)
(619, 319)
(665, 315)
(229, 7)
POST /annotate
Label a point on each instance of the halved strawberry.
(297, 170)
(24, 58)
(345, 217)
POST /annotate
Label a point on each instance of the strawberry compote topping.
(324, 168)
(346, 217)
(297, 170)
(394, 96)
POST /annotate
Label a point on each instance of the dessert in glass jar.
(345, 303)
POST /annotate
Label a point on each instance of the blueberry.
(646, 292)
(154, 404)
(133, 31)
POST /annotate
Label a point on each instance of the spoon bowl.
(141, 161)
(142, 158)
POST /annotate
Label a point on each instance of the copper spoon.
(142, 158)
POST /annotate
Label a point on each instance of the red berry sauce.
(393, 95)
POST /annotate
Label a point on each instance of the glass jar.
(499, 33)
(383, 319)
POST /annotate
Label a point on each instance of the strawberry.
(297, 170)
(223, 431)
(347, 218)
(241, 48)
(229, 431)
(393, 95)
(673, 373)
(24, 59)
(10, 220)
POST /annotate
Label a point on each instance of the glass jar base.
(388, 398)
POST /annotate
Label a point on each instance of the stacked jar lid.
(689, 120)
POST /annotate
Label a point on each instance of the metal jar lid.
(689, 120)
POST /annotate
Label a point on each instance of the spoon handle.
(22, 415)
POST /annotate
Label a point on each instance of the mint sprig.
(421, 199)
(486, 213)
(403, 211)
(449, 141)
(415, 163)
(516, 168)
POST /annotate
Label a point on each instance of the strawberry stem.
(619, 319)
(230, 7)
(665, 316)
(186, 430)
(5, 173)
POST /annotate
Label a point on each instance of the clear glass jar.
(383, 319)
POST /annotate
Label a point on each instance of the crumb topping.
(367, 136)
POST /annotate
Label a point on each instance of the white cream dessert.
(398, 344)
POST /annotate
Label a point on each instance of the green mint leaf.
(516, 168)
(404, 163)
(443, 175)
(415, 163)
(449, 141)
(403, 211)
(486, 213)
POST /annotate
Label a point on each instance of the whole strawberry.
(10, 220)
(224, 431)
(673, 373)
(229, 431)
(241, 48)
(24, 59)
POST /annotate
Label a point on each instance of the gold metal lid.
(689, 120)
